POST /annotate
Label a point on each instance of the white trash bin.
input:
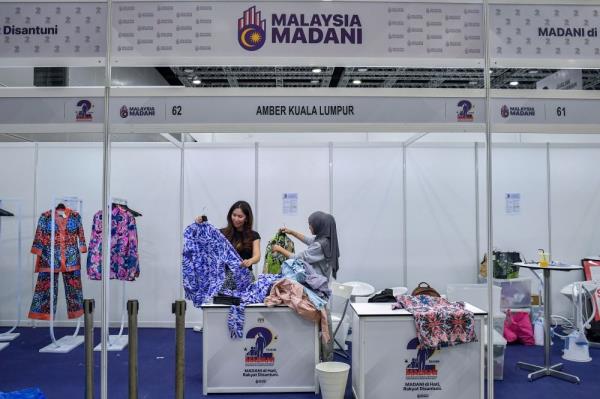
(332, 379)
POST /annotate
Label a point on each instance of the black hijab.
(323, 225)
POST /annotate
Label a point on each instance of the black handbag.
(386, 295)
(220, 299)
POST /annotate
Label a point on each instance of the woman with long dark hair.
(240, 234)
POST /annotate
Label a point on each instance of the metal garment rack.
(10, 335)
(69, 342)
(117, 342)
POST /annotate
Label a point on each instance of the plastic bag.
(29, 393)
(518, 328)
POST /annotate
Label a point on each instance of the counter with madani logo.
(387, 361)
(277, 353)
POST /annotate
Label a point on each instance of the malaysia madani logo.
(124, 112)
(252, 31)
(504, 111)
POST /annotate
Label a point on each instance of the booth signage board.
(277, 353)
(544, 111)
(38, 110)
(266, 110)
(301, 30)
(390, 362)
(53, 30)
(566, 32)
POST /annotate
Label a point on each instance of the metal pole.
(178, 308)
(181, 210)
(88, 311)
(330, 177)
(549, 193)
(477, 232)
(256, 160)
(106, 211)
(490, 231)
(547, 316)
(404, 221)
(132, 310)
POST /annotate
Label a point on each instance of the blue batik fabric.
(254, 293)
(206, 255)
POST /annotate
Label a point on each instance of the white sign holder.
(10, 335)
(69, 342)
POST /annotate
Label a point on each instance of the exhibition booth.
(423, 181)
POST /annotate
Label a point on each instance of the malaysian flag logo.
(252, 30)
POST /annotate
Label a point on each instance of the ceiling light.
(363, 69)
(314, 82)
(196, 81)
(316, 70)
(188, 70)
(356, 82)
(491, 71)
(514, 83)
(532, 71)
(473, 82)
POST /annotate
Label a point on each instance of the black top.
(246, 253)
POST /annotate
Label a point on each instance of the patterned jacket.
(69, 241)
(124, 260)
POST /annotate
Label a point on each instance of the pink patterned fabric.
(438, 321)
(124, 260)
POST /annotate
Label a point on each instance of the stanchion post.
(133, 307)
(88, 312)
(178, 308)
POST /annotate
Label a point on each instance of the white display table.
(385, 358)
(278, 353)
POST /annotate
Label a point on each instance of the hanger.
(123, 204)
(5, 213)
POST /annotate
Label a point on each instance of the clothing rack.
(69, 342)
(4, 212)
(10, 335)
(119, 342)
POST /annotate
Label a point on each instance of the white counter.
(385, 345)
(278, 353)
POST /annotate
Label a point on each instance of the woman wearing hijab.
(322, 254)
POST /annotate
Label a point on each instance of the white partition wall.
(16, 181)
(441, 215)
(367, 204)
(575, 204)
(298, 170)
(147, 176)
(215, 178)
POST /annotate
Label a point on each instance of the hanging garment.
(40, 305)
(438, 321)
(291, 293)
(273, 261)
(124, 259)
(206, 256)
(68, 244)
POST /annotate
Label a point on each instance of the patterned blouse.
(124, 260)
(69, 241)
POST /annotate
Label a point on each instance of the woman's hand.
(276, 248)
(247, 263)
(285, 230)
(201, 219)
